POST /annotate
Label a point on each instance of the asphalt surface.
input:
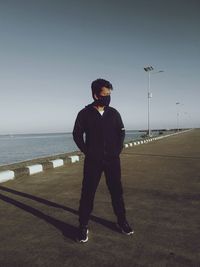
(161, 181)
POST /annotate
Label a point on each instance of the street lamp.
(148, 69)
(177, 116)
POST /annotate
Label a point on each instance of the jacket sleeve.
(121, 129)
(78, 132)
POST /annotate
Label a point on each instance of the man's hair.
(98, 84)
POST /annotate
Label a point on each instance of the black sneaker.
(125, 228)
(83, 234)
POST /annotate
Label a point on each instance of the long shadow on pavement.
(66, 229)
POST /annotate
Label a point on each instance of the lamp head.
(148, 68)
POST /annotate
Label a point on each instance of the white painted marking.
(35, 168)
(6, 175)
(74, 158)
(57, 162)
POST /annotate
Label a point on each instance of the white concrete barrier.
(74, 158)
(126, 145)
(57, 162)
(130, 144)
(35, 168)
(6, 175)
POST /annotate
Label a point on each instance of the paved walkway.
(161, 189)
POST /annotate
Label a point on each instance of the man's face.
(104, 92)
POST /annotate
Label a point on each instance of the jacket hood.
(90, 105)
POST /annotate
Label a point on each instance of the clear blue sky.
(50, 51)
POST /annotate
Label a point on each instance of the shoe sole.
(130, 233)
(84, 240)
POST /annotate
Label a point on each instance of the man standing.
(103, 142)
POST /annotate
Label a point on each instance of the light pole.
(177, 116)
(148, 69)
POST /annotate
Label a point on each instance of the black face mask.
(103, 101)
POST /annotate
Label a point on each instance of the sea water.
(21, 147)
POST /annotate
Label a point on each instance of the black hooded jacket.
(99, 136)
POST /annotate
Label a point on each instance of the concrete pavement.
(161, 180)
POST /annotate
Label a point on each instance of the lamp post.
(148, 69)
(177, 116)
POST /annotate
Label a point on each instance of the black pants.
(91, 176)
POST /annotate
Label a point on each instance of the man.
(104, 136)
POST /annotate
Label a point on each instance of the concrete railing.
(30, 168)
(147, 140)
